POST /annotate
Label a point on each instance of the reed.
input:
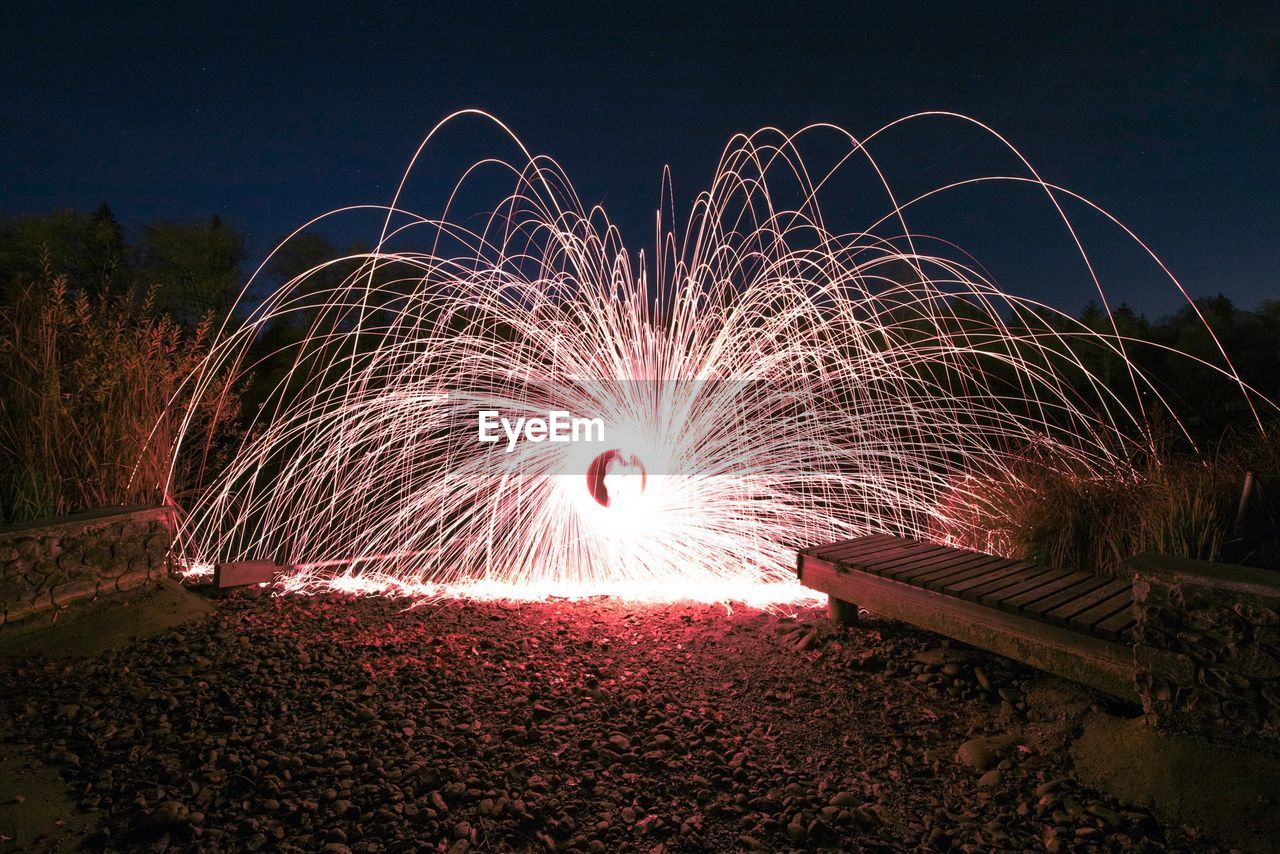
(86, 385)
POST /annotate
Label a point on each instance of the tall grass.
(1175, 504)
(84, 381)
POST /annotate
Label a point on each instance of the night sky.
(269, 114)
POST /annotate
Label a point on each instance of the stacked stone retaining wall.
(1207, 649)
(49, 563)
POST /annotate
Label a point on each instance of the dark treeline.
(196, 268)
(1183, 355)
(97, 331)
(193, 270)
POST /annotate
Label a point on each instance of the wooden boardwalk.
(1070, 623)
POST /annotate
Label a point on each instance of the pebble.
(982, 752)
(984, 681)
(331, 723)
(1050, 786)
(991, 778)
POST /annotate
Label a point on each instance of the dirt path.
(301, 724)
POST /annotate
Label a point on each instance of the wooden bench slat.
(877, 555)
(1028, 590)
(1103, 592)
(962, 563)
(973, 588)
(860, 544)
(913, 569)
(1118, 624)
(1014, 582)
(1065, 597)
(985, 570)
(899, 562)
(1088, 619)
(821, 551)
(950, 570)
(1019, 601)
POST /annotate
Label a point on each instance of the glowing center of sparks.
(616, 478)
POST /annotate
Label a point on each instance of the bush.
(1184, 505)
(87, 410)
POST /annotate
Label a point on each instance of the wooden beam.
(1092, 661)
(244, 572)
(842, 612)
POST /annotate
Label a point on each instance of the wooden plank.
(1000, 585)
(867, 542)
(883, 552)
(1072, 655)
(1028, 583)
(1020, 601)
(1087, 620)
(1118, 625)
(982, 570)
(814, 551)
(855, 542)
(1083, 603)
(935, 555)
(926, 563)
(244, 572)
(896, 562)
(846, 546)
(1065, 597)
(873, 556)
(936, 574)
(1011, 573)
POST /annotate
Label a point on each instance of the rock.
(1051, 786)
(983, 680)
(982, 752)
(169, 812)
(1108, 816)
(991, 778)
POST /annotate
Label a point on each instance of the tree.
(87, 248)
(194, 267)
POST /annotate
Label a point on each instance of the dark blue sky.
(270, 113)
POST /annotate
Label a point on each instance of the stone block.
(72, 591)
(130, 580)
(98, 555)
(28, 548)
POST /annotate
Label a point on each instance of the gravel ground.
(338, 724)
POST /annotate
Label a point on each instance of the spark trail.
(766, 383)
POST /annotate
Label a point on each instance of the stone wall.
(1207, 649)
(49, 563)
